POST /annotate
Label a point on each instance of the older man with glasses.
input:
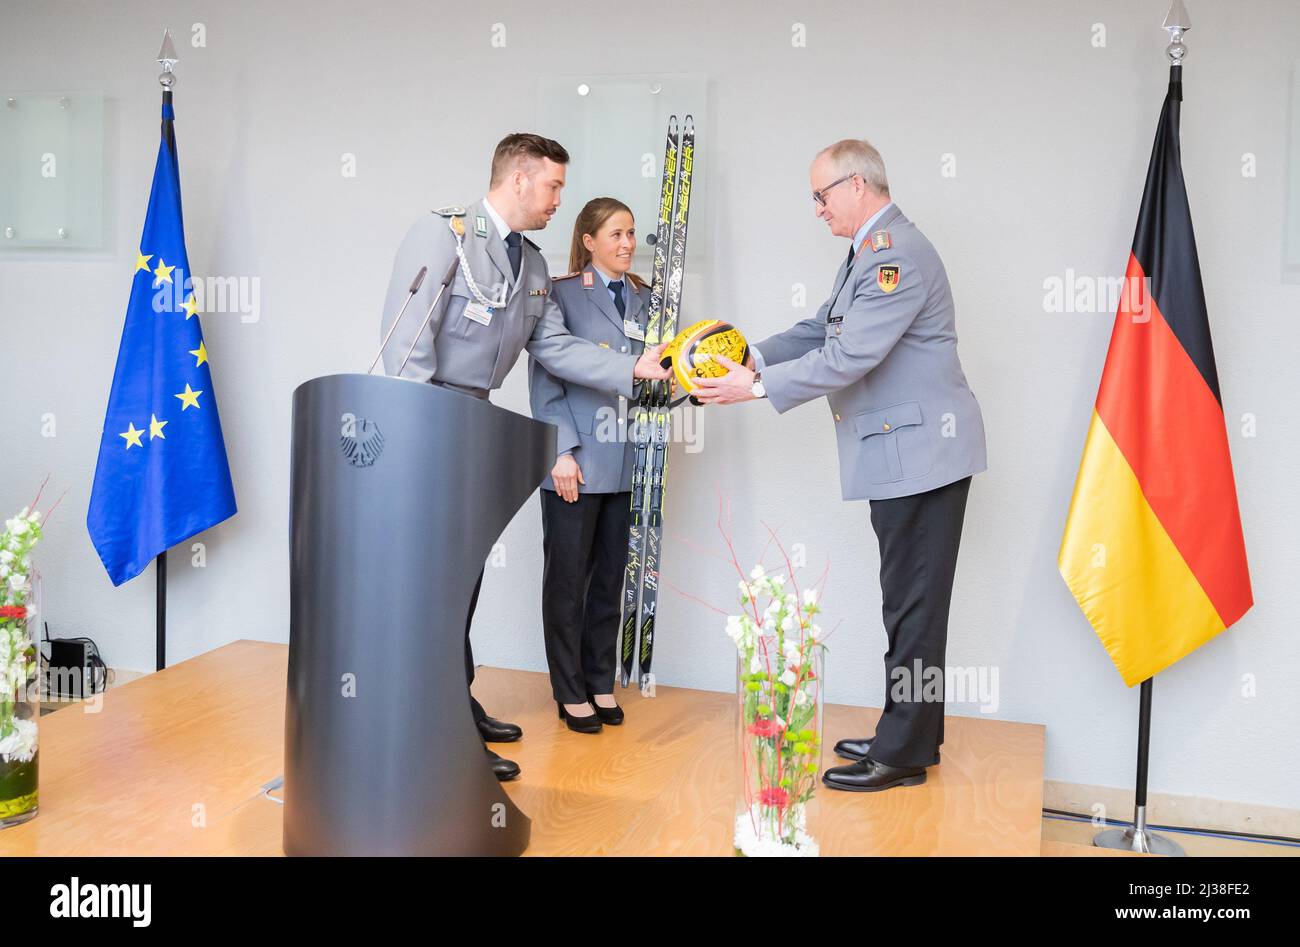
(882, 350)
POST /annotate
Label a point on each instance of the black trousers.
(584, 549)
(475, 707)
(918, 537)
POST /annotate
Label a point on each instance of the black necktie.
(617, 286)
(514, 250)
(849, 263)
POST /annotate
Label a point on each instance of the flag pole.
(1137, 837)
(160, 613)
(166, 58)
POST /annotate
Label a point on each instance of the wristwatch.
(757, 389)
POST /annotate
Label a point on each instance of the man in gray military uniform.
(883, 352)
(497, 305)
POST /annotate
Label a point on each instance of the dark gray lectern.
(398, 491)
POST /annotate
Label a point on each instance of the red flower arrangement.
(774, 796)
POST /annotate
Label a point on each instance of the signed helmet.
(687, 353)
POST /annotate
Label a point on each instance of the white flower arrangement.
(778, 650)
(18, 653)
(20, 745)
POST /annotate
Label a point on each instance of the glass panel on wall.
(614, 128)
(51, 170)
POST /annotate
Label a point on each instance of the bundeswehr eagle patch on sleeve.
(887, 277)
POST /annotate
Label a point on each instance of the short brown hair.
(523, 145)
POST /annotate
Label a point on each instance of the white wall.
(1051, 137)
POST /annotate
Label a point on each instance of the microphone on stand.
(415, 288)
(446, 281)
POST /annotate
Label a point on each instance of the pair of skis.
(650, 417)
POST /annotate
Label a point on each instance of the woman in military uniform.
(587, 497)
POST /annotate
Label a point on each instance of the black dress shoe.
(504, 769)
(854, 748)
(588, 724)
(871, 776)
(496, 731)
(610, 715)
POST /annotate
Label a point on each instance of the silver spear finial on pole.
(1177, 22)
(167, 58)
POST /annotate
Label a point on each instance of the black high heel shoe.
(610, 715)
(589, 724)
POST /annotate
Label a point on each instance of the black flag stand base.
(1136, 837)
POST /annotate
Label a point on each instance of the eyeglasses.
(820, 195)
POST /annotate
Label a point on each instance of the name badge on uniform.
(832, 320)
(478, 313)
(632, 330)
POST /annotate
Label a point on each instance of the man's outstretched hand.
(647, 366)
(732, 388)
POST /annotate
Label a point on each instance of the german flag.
(1153, 549)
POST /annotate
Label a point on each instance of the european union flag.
(162, 474)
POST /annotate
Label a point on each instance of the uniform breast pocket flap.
(456, 320)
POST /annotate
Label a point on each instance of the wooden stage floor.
(174, 764)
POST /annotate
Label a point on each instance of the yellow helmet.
(709, 337)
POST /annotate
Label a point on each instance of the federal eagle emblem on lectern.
(361, 442)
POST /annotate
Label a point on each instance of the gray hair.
(858, 156)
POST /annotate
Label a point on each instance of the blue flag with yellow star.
(162, 474)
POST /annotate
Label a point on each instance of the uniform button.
(837, 418)
(837, 330)
(623, 349)
(886, 427)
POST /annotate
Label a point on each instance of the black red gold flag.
(1153, 548)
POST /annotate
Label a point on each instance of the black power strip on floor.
(73, 667)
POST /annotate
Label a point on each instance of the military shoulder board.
(555, 279)
(880, 241)
(455, 215)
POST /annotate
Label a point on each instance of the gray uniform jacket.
(593, 423)
(461, 352)
(883, 351)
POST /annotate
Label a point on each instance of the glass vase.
(779, 716)
(20, 702)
